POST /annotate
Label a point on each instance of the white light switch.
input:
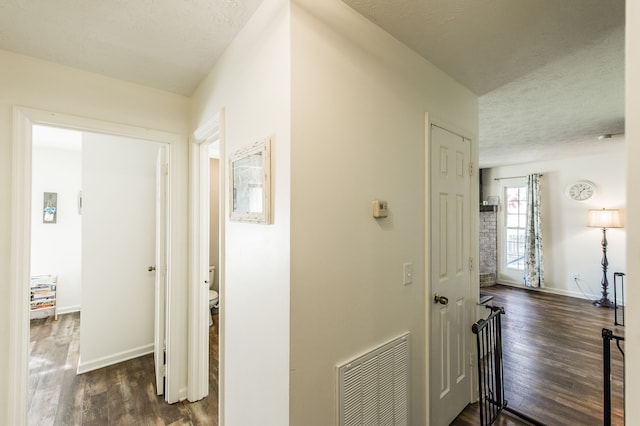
(407, 273)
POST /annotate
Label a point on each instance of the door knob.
(440, 299)
(151, 268)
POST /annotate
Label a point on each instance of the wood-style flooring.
(553, 359)
(121, 394)
(552, 363)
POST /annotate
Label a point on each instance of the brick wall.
(488, 245)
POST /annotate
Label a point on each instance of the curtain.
(534, 269)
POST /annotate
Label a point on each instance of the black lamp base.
(603, 303)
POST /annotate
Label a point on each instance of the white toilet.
(213, 295)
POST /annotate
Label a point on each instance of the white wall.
(569, 246)
(55, 248)
(251, 82)
(632, 329)
(359, 99)
(39, 84)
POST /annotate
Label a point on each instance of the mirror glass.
(250, 183)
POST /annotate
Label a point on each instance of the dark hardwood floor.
(121, 394)
(553, 359)
(552, 362)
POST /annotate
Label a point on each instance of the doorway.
(25, 120)
(207, 142)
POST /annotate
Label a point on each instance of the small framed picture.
(50, 207)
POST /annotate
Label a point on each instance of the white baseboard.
(84, 367)
(68, 309)
(569, 293)
(182, 394)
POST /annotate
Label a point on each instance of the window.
(515, 226)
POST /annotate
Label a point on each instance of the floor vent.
(373, 389)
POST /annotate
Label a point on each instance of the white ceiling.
(549, 73)
(169, 44)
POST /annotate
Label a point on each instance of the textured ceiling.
(169, 44)
(549, 73)
(559, 109)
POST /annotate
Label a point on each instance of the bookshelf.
(43, 293)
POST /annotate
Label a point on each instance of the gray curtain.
(534, 269)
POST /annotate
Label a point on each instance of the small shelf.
(43, 292)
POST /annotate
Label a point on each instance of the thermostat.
(379, 208)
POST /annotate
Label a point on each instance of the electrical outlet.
(575, 277)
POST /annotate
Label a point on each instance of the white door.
(450, 275)
(118, 246)
(159, 341)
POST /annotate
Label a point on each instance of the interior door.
(159, 342)
(118, 246)
(450, 275)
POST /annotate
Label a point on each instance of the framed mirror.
(250, 183)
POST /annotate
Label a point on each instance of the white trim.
(222, 271)
(85, 367)
(23, 120)
(209, 131)
(83, 123)
(198, 330)
(427, 264)
(160, 324)
(550, 290)
(511, 275)
(20, 260)
(68, 310)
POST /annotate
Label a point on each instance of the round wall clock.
(581, 190)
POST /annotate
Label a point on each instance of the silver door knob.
(151, 268)
(440, 299)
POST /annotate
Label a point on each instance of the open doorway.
(206, 324)
(93, 233)
(114, 148)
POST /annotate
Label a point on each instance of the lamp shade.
(604, 218)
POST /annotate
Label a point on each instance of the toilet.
(213, 294)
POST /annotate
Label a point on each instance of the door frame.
(198, 331)
(23, 121)
(162, 266)
(474, 249)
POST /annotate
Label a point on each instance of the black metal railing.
(490, 369)
(618, 277)
(607, 337)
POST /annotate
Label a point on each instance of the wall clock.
(581, 190)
